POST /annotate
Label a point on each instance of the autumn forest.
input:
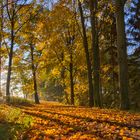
(69, 69)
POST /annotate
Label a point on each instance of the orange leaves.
(79, 135)
(121, 132)
(55, 121)
(125, 138)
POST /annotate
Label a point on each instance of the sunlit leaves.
(53, 120)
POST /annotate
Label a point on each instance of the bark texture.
(96, 56)
(122, 54)
(88, 61)
(34, 76)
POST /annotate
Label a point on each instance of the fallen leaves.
(56, 121)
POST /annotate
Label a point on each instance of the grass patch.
(9, 131)
(13, 123)
(20, 101)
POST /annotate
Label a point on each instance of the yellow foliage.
(55, 72)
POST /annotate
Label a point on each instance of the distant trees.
(75, 58)
(134, 24)
(133, 38)
(134, 74)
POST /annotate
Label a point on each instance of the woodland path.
(57, 121)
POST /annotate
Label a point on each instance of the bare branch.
(8, 12)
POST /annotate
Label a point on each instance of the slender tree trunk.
(122, 54)
(1, 34)
(34, 76)
(11, 16)
(63, 79)
(64, 85)
(113, 64)
(25, 96)
(96, 55)
(85, 44)
(10, 63)
(71, 79)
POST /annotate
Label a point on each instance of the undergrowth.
(13, 123)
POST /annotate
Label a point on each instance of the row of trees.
(65, 49)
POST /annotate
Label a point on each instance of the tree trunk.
(122, 54)
(10, 63)
(85, 44)
(34, 76)
(64, 85)
(63, 80)
(112, 61)
(96, 57)
(1, 34)
(71, 79)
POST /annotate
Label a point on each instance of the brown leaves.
(55, 121)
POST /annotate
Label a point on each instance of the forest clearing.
(50, 120)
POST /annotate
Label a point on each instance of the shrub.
(13, 122)
(20, 101)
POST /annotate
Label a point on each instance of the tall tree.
(11, 15)
(1, 35)
(70, 45)
(96, 57)
(16, 22)
(88, 61)
(34, 74)
(122, 53)
(12, 10)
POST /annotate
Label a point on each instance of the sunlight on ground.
(56, 121)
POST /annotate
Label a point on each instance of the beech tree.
(96, 56)
(88, 61)
(1, 37)
(122, 53)
(13, 9)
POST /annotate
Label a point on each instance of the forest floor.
(49, 121)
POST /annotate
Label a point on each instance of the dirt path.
(56, 121)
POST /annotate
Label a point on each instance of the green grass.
(10, 131)
(13, 123)
(20, 101)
